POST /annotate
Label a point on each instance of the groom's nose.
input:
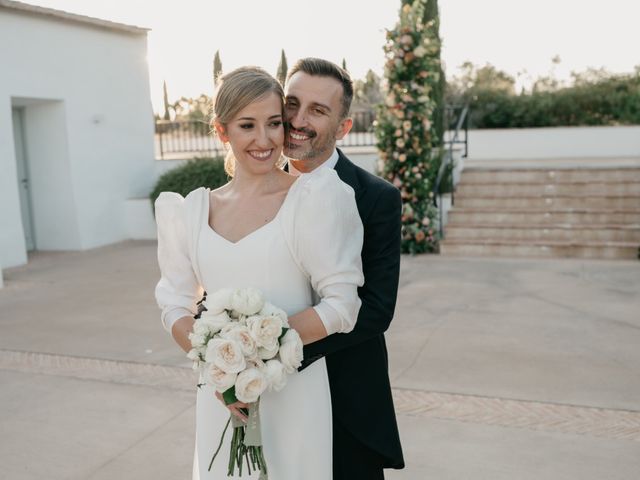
(298, 119)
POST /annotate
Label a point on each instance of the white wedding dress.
(313, 244)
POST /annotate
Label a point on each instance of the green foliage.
(281, 75)
(595, 98)
(196, 173)
(166, 101)
(367, 93)
(193, 109)
(431, 14)
(217, 67)
(405, 130)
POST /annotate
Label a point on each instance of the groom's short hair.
(324, 68)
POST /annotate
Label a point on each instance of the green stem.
(220, 444)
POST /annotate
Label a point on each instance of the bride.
(294, 238)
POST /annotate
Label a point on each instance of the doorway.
(24, 188)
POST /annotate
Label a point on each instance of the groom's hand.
(234, 408)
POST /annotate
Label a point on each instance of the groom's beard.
(315, 146)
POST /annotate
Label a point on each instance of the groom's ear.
(221, 131)
(344, 127)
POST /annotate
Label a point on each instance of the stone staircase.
(545, 212)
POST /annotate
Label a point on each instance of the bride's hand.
(234, 408)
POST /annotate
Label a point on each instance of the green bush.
(196, 173)
(610, 101)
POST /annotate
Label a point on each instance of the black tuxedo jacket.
(357, 361)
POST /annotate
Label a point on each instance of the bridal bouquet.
(243, 346)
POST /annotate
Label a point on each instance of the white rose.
(213, 322)
(240, 334)
(197, 340)
(218, 378)
(270, 310)
(250, 384)
(256, 363)
(267, 353)
(225, 354)
(218, 301)
(291, 351)
(194, 354)
(420, 51)
(265, 330)
(276, 374)
(247, 301)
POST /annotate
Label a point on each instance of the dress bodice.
(260, 260)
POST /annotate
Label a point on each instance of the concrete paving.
(501, 368)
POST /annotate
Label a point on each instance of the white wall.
(558, 142)
(88, 131)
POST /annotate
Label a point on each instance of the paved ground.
(502, 369)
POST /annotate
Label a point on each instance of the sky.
(517, 36)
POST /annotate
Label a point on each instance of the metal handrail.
(463, 122)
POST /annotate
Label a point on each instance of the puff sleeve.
(328, 236)
(178, 290)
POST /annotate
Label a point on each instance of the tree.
(196, 110)
(282, 69)
(166, 101)
(405, 129)
(431, 17)
(344, 64)
(217, 67)
(367, 93)
(474, 81)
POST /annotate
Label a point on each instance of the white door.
(23, 178)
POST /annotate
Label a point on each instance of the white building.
(76, 131)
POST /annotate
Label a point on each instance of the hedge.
(612, 101)
(196, 173)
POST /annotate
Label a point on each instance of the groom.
(365, 433)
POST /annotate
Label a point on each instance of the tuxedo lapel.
(346, 170)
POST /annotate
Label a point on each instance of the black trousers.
(351, 459)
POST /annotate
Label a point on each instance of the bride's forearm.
(180, 332)
(308, 325)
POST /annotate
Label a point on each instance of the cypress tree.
(405, 130)
(166, 101)
(217, 67)
(281, 75)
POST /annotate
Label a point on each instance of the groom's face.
(314, 117)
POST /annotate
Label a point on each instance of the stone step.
(459, 215)
(556, 202)
(617, 189)
(550, 175)
(534, 232)
(542, 249)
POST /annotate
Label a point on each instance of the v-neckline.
(253, 232)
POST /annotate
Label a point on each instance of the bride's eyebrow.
(251, 119)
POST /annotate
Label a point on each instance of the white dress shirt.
(329, 163)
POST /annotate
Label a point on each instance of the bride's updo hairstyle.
(235, 91)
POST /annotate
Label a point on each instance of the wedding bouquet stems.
(245, 444)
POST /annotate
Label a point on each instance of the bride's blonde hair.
(234, 92)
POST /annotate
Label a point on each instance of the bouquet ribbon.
(246, 443)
